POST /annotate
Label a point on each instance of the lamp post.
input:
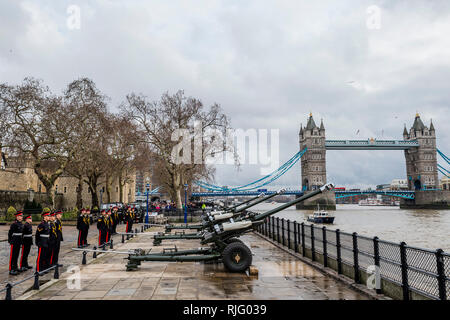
(148, 190)
(185, 202)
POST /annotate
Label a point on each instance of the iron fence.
(414, 270)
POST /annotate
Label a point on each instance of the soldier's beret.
(18, 213)
(58, 212)
(52, 213)
(45, 214)
(27, 216)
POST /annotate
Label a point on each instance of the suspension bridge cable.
(443, 173)
(442, 168)
(260, 182)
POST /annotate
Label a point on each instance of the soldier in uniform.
(115, 216)
(59, 237)
(42, 241)
(15, 240)
(109, 225)
(80, 226)
(129, 219)
(53, 239)
(102, 228)
(87, 223)
(27, 242)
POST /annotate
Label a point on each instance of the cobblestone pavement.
(67, 257)
(281, 276)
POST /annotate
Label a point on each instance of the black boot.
(13, 272)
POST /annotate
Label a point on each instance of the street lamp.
(147, 186)
(185, 202)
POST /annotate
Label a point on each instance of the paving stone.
(121, 292)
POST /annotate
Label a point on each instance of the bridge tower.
(313, 163)
(421, 162)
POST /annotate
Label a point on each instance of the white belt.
(44, 235)
(17, 234)
(27, 235)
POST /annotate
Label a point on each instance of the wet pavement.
(280, 276)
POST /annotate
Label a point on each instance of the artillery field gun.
(222, 238)
(170, 227)
(212, 218)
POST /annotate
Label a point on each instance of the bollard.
(8, 292)
(355, 257)
(135, 230)
(36, 281)
(111, 244)
(404, 268)
(142, 228)
(338, 251)
(376, 256)
(83, 261)
(56, 274)
(123, 238)
(95, 252)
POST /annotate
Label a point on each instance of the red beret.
(45, 214)
(18, 213)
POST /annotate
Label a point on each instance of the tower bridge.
(418, 146)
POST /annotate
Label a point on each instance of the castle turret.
(421, 162)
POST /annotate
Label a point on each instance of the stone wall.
(17, 199)
(431, 199)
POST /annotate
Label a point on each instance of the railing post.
(123, 238)
(289, 233)
(94, 255)
(273, 228)
(313, 252)
(355, 257)
(83, 261)
(441, 274)
(142, 229)
(111, 246)
(36, 281)
(376, 257)
(324, 238)
(265, 226)
(278, 230)
(8, 292)
(135, 230)
(282, 232)
(56, 274)
(404, 267)
(295, 237)
(338, 251)
(303, 239)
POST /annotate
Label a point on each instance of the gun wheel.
(237, 257)
(231, 240)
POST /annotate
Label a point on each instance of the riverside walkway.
(280, 276)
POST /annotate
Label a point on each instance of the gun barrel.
(245, 202)
(259, 201)
(295, 201)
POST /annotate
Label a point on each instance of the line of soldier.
(108, 221)
(48, 238)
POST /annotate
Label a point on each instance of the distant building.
(445, 184)
(399, 184)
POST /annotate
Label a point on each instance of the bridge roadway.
(406, 194)
(370, 144)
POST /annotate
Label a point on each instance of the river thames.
(421, 228)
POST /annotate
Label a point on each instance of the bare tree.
(159, 120)
(38, 126)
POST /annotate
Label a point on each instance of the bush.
(70, 215)
(10, 214)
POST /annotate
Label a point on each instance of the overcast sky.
(267, 63)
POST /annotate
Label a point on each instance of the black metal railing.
(9, 286)
(415, 270)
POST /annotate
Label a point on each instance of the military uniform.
(59, 238)
(115, 216)
(83, 227)
(27, 242)
(102, 230)
(110, 227)
(129, 218)
(42, 241)
(15, 240)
